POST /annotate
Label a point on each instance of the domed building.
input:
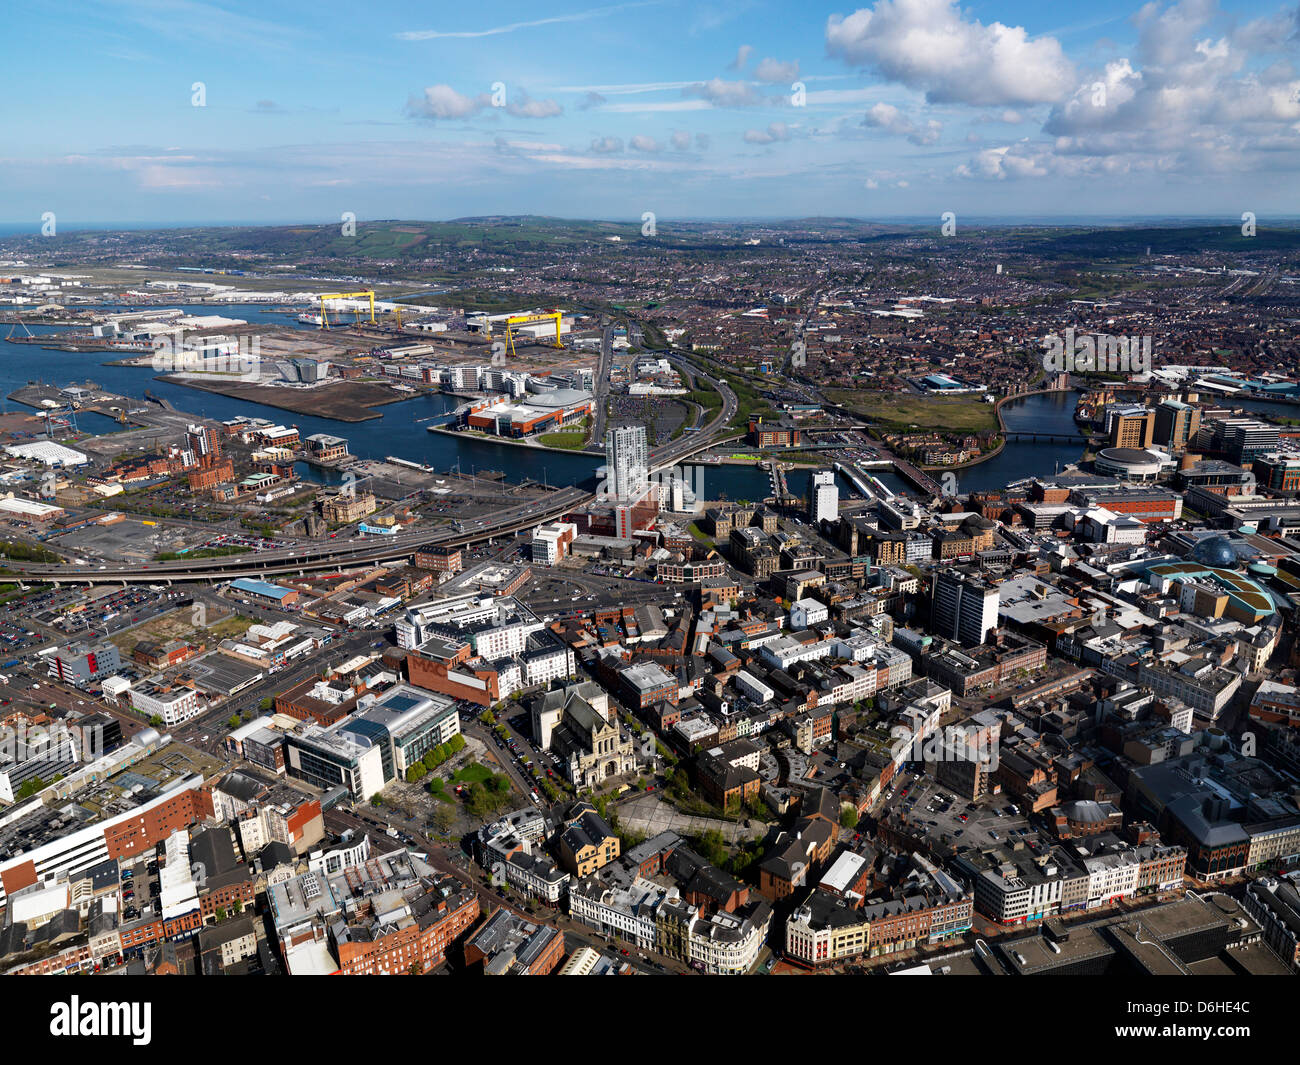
(1224, 550)
(980, 530)
(1214, 551)
(1132, 463)
(1085, 817)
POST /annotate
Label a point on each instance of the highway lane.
(300, 557)
(601, 383)
(707, 435)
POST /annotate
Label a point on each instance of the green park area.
(567, 441)
(571, 437)
(906, 411)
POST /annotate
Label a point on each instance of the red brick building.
(416, 948)
(439, 559)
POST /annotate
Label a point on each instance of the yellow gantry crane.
(528, 319)
(324, 320)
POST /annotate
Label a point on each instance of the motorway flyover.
(302, 558)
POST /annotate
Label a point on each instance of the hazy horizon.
(733, 109)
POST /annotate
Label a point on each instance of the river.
(402, 429)
(1047, 412)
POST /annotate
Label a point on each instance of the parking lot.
(14, 638)
(941, 813)
(130, 540)
(109, 613)
(246, 540)
(526, 759)
(140, 888)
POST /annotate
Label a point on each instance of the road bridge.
(329, 555)
(302, 558)
(1048, 438)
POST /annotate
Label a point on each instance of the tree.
(479, 803)
(849, 817)
(712, 847)
(233, 723)
(156, 721)
(444, 817)
(30, 787)
(679, 783)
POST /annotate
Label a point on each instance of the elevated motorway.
(301, 558)
(329, 555)
(693, 443)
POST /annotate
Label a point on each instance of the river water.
(402, 429)
(1047, 412)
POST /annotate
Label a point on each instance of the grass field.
(902, 410)
(472, 774)
(699, 534)
(568, 441)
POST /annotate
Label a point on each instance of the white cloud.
(442, 101)
(776, 131)
(1192, 100)
(652, 107)
(775, 72)
(629, 89)
(579, 16)
(607, 145)
(520, 105)
(681, 140)
(742, 57)
(1013, 161)
(929, 46)
(892, 120)
(641, 143)
(722, 93)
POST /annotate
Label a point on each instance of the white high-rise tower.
(628, 460)
(825, 501)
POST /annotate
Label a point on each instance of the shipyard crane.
(369, 294)
(528, 319)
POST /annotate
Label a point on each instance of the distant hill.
(1182, 240)
(399, 241)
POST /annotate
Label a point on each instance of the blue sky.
(901, 108)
